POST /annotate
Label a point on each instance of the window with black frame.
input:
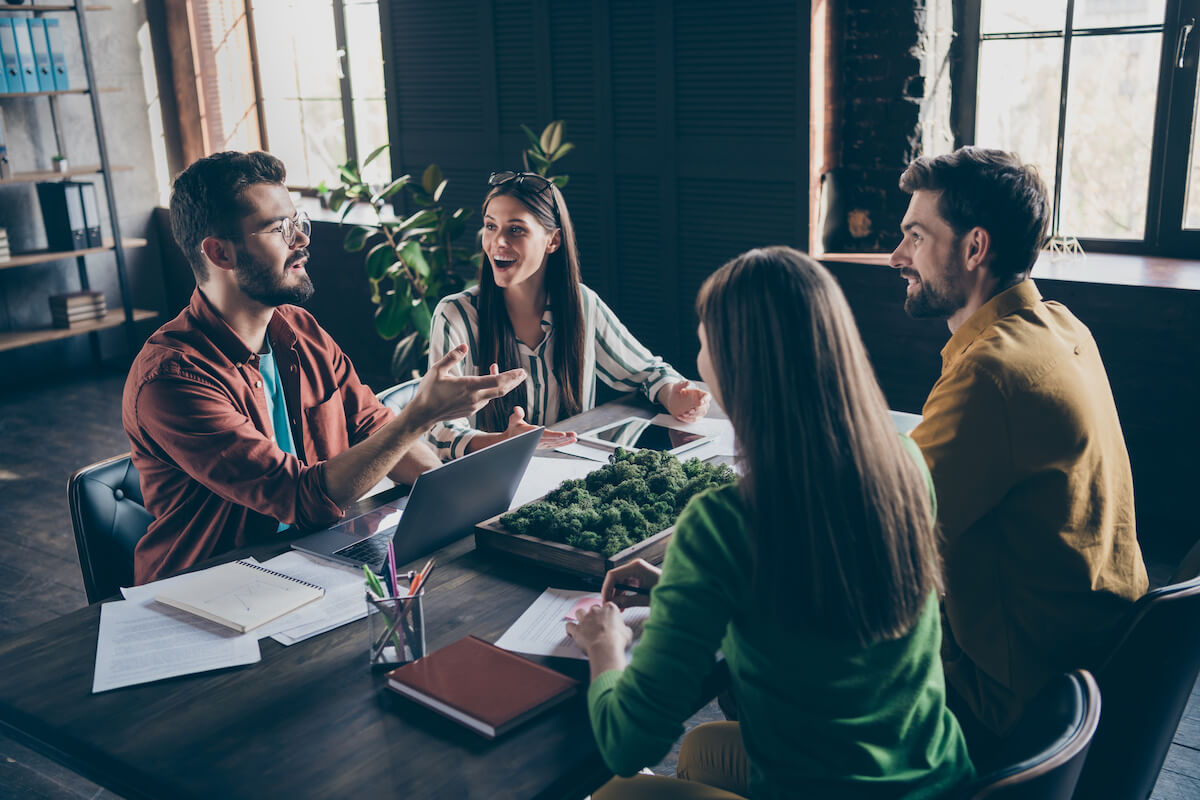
(1102, 96)
(319, 81)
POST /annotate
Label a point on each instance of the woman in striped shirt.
(530, 310)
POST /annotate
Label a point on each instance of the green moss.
(632, 498)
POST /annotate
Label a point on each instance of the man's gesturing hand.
(444, 394)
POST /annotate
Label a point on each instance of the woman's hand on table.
(684, 402)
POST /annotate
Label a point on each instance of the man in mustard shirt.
(1034, 492)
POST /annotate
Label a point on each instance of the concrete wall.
(122, 58)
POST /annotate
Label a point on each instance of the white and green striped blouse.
(614, 356)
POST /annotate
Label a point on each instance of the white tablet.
(636, 433)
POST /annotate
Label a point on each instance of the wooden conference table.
(312, 719)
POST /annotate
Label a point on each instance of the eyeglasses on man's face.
(288, 227)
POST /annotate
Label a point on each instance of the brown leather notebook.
(481, 686)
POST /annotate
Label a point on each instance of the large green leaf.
(441, 187)
(431, 178)
(555, 129)
(422, 318)
(533, 137)
(390, 189)
(542, 163)
(421, 219)
(349, 172)
(392, 316)
(336, 198)
(374, 154)
(560, 180)
(356, 238)
(379, 259)
(408, 357)
(411, 254)
(562, 151)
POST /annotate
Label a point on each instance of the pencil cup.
(395, 629)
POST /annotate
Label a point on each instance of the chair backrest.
(1146, 684)
(109, 518)
(397, 397)
(1046, 750)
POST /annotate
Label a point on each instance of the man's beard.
(937, 300)
(262, 284)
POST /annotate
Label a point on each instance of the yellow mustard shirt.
(1035, 502)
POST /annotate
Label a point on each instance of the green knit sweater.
(820, 718)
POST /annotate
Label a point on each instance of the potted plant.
(411, 263)
(60, 163)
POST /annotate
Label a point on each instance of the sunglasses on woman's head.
(531, 180)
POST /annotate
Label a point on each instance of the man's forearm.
(350, 474)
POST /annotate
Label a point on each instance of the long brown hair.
(498, 342)
(839, 512)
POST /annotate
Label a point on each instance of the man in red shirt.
(243, 415)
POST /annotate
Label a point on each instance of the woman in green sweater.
(816, 575)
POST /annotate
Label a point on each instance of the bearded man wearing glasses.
(244, 417)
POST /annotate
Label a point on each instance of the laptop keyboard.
(372, 551)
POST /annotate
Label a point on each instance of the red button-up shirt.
(196, 415)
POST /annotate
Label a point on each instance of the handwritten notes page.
(542, 631)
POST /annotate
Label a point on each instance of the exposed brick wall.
(891, 72)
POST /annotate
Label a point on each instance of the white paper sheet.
(542, 631)
(545, 474)
(344, 600)
(146, 641)
(582, 450)
(905, 421)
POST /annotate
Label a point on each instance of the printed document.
(143, 641)
(542, 629)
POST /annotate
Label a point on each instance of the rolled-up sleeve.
(194, 425)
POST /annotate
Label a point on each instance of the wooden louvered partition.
(690, 120)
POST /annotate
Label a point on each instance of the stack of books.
(5, 253)
(69, 310)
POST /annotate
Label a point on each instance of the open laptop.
(444, 504)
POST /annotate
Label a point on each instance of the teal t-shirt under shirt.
(276, 405)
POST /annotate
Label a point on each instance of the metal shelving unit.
(127, 315)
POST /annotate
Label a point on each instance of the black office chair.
(397, 397)
(1046, 750)
(109, 518)
(1146, 682)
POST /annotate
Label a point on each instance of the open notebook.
(240, 595)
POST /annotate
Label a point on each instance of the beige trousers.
(712, 766)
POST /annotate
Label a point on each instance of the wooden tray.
(491, 535)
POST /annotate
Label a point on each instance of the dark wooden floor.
(49, 431)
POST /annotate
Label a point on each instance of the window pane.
(1019, 16)
(301, 92)
(371, 127)
(1109, 135)
(1017, 106)
(1111, 13)
(363, 48)
(1191, 212)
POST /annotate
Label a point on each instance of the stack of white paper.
(542, 629)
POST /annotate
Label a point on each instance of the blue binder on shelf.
(41, 54)
(8, 58)
(58, 55)
(25, 57)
